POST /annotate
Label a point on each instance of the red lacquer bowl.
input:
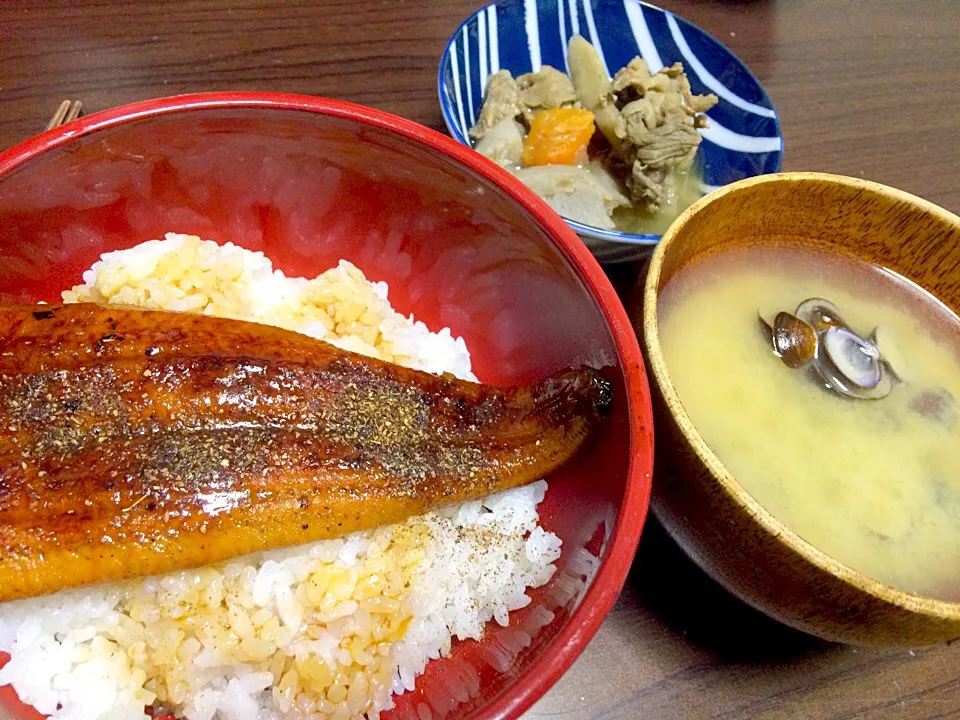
(462, 244)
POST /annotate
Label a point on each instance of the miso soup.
(872, 480)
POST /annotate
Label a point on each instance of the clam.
(857, 359)
(794, 341)
(820, 314)
(847, 363)
(842, 385)
(766, 330)
(852, 366)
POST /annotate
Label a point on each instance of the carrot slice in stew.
(558, 136)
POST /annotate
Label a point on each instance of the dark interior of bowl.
(309, 189)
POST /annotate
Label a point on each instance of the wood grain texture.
(863, 89)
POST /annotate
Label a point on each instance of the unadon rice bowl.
(330, 629)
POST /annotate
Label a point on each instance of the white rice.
(326, 630)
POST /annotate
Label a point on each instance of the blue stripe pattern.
(743, 139)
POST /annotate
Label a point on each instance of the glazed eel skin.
(135, 442)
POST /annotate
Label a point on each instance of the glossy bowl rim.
(606, 585)
(616, 237)
(734, 491)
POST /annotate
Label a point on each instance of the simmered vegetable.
(648, 137)
(593, 87)
(558, 136)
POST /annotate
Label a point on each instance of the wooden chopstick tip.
(67, 111)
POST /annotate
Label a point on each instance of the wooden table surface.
(867, 89)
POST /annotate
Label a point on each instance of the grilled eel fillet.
(137, 442)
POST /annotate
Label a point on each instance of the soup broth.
(873, 483)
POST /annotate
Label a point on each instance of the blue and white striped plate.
(743, 139)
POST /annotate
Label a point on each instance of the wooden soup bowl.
(701, 505)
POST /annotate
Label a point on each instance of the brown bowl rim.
(910, 602)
